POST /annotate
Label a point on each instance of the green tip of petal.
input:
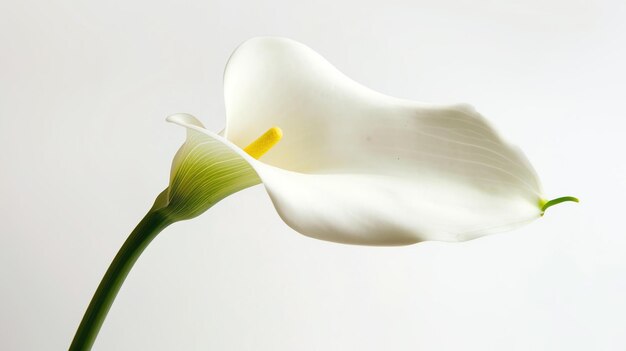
(544, 204)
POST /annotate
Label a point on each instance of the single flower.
(354, 166)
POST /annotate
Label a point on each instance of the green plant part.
(545, 204)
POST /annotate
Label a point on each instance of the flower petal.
(360, 167)
(361, 209)
(368, 209)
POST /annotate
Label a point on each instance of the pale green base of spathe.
(204, 171)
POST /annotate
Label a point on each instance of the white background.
(84, 90)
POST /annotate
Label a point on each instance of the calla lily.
(352, 165)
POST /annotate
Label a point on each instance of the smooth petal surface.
(356, 166)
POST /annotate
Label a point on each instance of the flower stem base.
(151, 225)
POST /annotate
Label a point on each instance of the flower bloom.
(353, 166)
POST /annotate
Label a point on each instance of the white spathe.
(356, 166)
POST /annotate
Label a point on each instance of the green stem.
(151, 225)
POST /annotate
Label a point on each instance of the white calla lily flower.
(354, 166)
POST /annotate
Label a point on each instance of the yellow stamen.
(264, 143)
